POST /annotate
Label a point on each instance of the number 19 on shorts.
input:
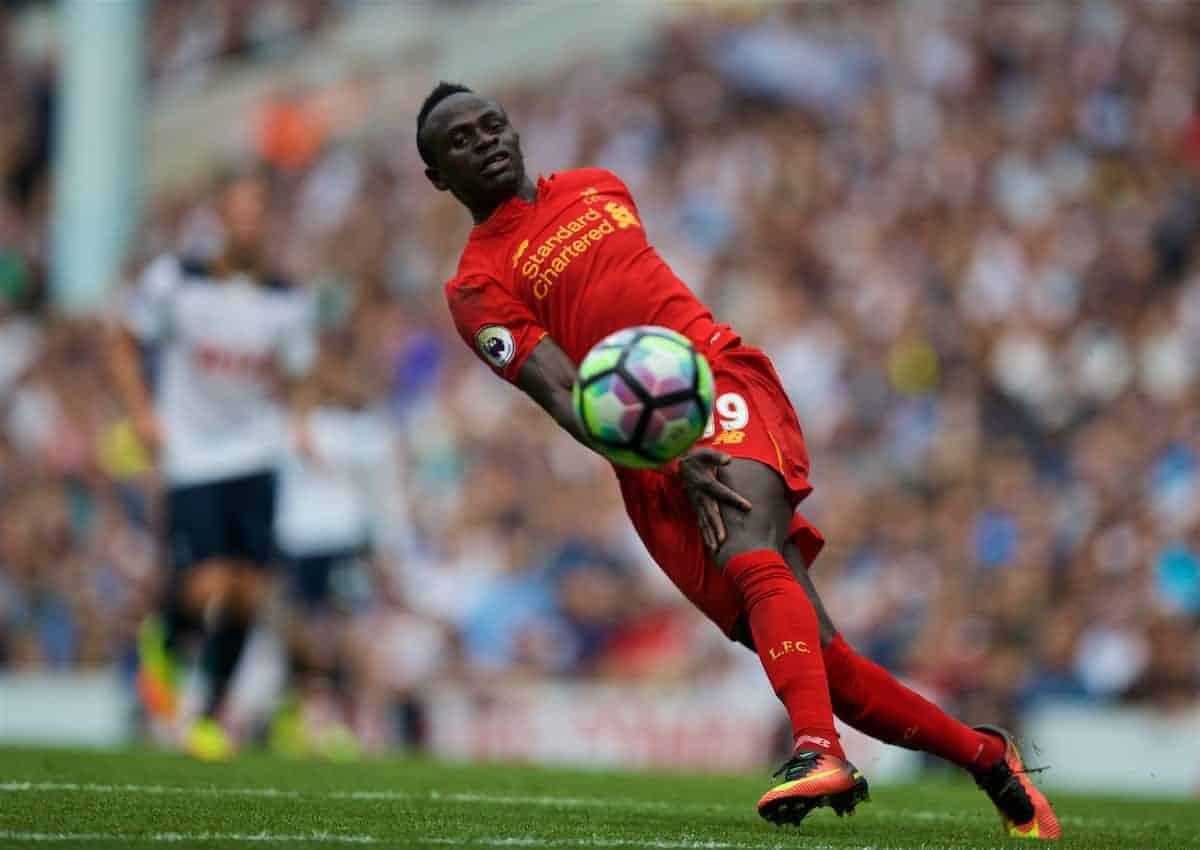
(731, 410)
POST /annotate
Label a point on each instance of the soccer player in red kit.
(551, 268)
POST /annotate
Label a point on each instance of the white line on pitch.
(566, 802)
(97, 788)
(176, 837)
(331, 838)
(387, 795)
(17, 786)
(655, 843)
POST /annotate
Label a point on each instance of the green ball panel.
(704, 387)
(625, 457)
(665, 333)
(660, 366)
(611, 409)
(577, 404)
(598, 361)
(676, 345)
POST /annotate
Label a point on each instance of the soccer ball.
(643, 396)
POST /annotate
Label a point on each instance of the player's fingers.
(713, 510)
(706, 532)
(713, 457)
(720, 492)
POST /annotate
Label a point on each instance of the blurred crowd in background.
(967, 239)
(188, 41)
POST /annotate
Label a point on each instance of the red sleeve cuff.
(514, 368)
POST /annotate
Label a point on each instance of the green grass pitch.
(57, 798)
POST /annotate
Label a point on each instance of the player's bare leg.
(786, 632)
(872, 700)
(315, 715)
(196, 600)
(161, 639)
(228, 611)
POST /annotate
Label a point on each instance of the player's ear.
(435, 178)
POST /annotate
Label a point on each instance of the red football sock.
(871, 700)
(788, 642)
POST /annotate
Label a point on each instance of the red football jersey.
(575, 265)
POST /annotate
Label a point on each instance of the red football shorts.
(752, 419)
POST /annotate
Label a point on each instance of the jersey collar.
(509, 214)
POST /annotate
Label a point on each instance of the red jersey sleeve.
(496, 325)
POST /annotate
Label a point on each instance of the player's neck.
(229, 265)
(526, 192)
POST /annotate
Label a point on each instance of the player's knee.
(798, 566)
(741, 633)
(248, 592)
(208, 584)
(739, 541)
(747, 536)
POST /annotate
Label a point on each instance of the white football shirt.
(350, 497)
(223, 344)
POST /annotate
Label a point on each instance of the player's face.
(477, 153)
(244, 210)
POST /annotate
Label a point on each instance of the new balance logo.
(729, 438)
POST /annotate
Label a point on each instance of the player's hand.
(698, 472)
(306, 443)
(149, 430)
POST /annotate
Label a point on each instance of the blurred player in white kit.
(339, 522)
(232, 341)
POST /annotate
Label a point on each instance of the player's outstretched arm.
(125, 366)
(547, 377)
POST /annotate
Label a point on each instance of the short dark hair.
(440, 92)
